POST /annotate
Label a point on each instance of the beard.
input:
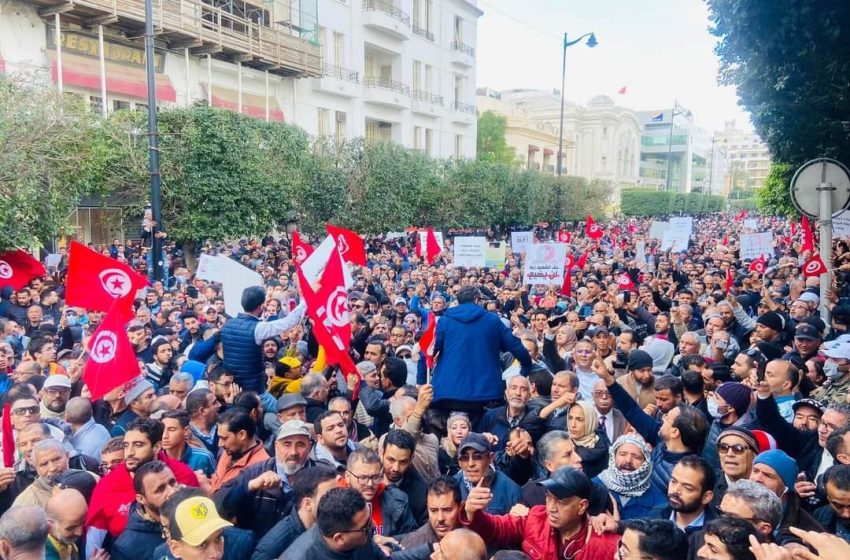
(290, 468)
(683, 507)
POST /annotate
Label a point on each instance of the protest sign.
(494, 256)
(520, 240)
(423, 235)
(841, 225)
(470, 251)
(751, 223)
(754, 245)
(657, 229)
(544, 263)
(315, 264)
(209, 268)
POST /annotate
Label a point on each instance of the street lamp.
(673, 114)
(591, 42)
(153, 142)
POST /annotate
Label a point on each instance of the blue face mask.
(72, 320)
(84, 320)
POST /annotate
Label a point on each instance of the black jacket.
(139, 538)
(495, 421)
(416, 489)
(238, 545)
(311, 546)
(279, 537)
(395, 510)
(802, 445)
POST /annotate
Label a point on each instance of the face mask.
(71, 320)
(715, 410)
(831, 370)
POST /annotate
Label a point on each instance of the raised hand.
(478, 499)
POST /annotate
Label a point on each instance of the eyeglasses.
(583, 352)
(368, 478)
(27, 410)
(737, 449)
(750, 520)
(470, 457)
(602, 394)
(366, 529)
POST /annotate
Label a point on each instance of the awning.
(2, 65)
(548, 152)
(252, 105)
(83, 72)
(533, 148)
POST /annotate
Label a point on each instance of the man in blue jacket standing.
(468, 374)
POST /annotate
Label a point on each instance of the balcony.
(422, 32)
(462, 54)
(203, 28)
(386, 92)
(338, 80)
(464, 113)
(427, 103)
(384, 16)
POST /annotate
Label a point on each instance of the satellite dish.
(807, 181)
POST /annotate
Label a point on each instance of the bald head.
(463, 544)
(165, 403)
(78, 411)
(66, 514)
(23, 530)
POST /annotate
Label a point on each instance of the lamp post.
(153, 142)
(591, 42)
(673, 114)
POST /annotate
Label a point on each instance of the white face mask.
(830, 368)
(714, 408)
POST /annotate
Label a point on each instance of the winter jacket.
(139, 538)
(802, 445)
(506, 492)
(242, 356)
(278, 539)
(831, 523)
(793, 515)
(238, 545)
(312, 546)
(468, 342)
(648, 505)
(594, 459)
(535, 536)
(495, 421)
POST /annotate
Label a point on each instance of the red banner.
(18, 267)
(96, 281)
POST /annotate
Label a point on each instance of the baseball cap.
(293, 428)
(806, 331)
(197, 519)
(288, 400)
(290, 361)
(567, 482)
(840, 350)
(809, 402)
(400, 300)
(599, 329)
(810, 297)
(81, 481)
(57, 380)
(475, 441)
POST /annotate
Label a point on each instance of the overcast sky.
(660, 50)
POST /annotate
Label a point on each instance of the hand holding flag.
(814, 266)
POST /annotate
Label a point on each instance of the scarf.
(63, 551)
(591, 424)
(571, 339)
(627, 483)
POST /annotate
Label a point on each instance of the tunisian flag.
(626, 283)
(300, 250)
(808, 236)
(327, 306)
(814, 266)
(426, 341)
(95, 282)
(730, 281)
(759, 265)
(741, 215)
(350, 244)
(112, 359)
(591, 228)
(18, 267)
(564, 236)
(582, 260)
(432, 246)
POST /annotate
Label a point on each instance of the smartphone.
(555, 321)
(627, 296)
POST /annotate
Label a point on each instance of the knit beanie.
(765, 441)
(742, 433)
(136, 389)
(639, 359)
(785, 466)
(736, 395)
(772, 320)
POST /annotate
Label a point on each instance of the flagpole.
(153, 142)
(591, 42)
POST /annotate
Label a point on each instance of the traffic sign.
(806, 186)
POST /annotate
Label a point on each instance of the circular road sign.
(807, 181)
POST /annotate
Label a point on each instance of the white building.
(747, 158)
(601, 140)
(402, 71)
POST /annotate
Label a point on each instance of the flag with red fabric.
(582, 260)
(300, 250)
(759, 265)
(8, 437)
(632, 228)
(592, 229)
(814, 266)
(112, 360)
(426, 342)
(418, 248)
(18, 267)
(622, 90)
(808, 236)
(432, 246)
(793, 228)
(626, 283)
(349, 244)
(730, 280)
(741, 215)
(96, 281)
(564, 236)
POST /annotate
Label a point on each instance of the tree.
(45, 160)
(774, 195)
(790, 64)
(492, 142)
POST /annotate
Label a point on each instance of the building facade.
(601, 139)
(747, 160)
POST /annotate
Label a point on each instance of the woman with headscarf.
(627, 479)
(591, 442)
(457, 426)
(558, 348)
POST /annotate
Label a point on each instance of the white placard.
(841, 225)
(209, 268)
(657, 229)
(640, 252)
(315, 264)
(544, 263)
(754, 245)
(682, 226)
(677, 234)
(470, 251)
(520, 240)
(751, 223)
(234, 279)
(52, 261)
(423, 238)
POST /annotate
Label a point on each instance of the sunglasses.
(31, 410)
(737, 449)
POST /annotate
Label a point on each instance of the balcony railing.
(334, 71)
(464, 107)
(433, 98)
(464, 48)
(388, 8)
(393, 85)
(422, 32)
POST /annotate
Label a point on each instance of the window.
(339, 134)
(339, 49)
(322, 44)
(417, 137)
(96, 103)
(458, 146)
(118, 104)
(417, 13)
(417, 72)
(429, 140)
(458, 30)
(426, 83)
(322, 123)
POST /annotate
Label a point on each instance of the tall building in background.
(747, 161)
(601, 140)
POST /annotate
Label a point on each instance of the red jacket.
(539, 540)
(114, 494)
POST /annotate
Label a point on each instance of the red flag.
(741, 215)
(808, 236)
(564, 236)
(591, 229)
(8, 437)
(328, 308)
(626, 283)
(418, 245)
(300, 250)
(632, 228)
(759, 265)
(18, 267)
(95, 281)
(793, 228)
(432, 246)
(726, 240)
(567, 285)
(814, 266)
(582, 260)
(622, 90)
(426, 342)
(350, 244)
(112, 359)
(730, 281)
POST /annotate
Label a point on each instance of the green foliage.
(45, 159)
(645, 202)
(774, 195)
(744, 204)
(790, 65)
(492, 140)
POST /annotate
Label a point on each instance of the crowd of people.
(700, 412)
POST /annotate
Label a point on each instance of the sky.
(661, 50)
